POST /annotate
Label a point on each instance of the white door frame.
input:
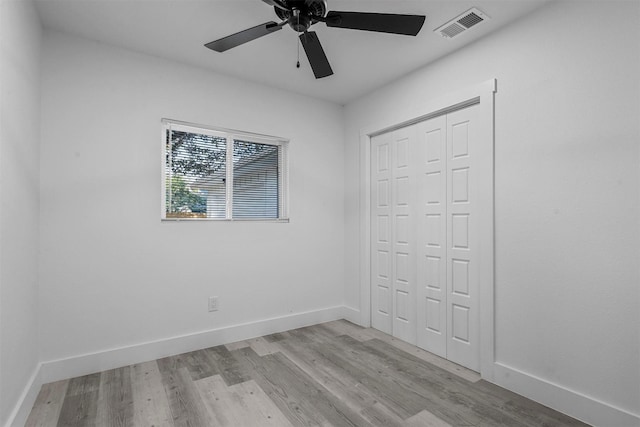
(482, 94)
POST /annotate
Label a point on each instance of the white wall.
(567, 123)
(19, 161)
(111, 273)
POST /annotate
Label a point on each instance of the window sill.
(284, 220)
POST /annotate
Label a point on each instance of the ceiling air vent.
(462, 23)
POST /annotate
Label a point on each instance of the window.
(221, 174)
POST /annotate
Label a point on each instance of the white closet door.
(463, 345)
(431, 235)
(403, 235)
(424, 236)
(381, 217)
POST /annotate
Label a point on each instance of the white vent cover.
(462, 23)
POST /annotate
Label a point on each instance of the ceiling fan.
(302, 14)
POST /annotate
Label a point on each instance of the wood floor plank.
(115, 400)
(319, 333)
(226, 365)
(338, 381)
(196, 362)
(243, 404)
(300, 336)
(329, 406)
(81, 402)
(278, 336)
(187, 408)
(343, 327)
(342, 399)
(150, 404)
(199, 365)
(79, 410)
(379, 415)
(426, 419)
(83, 384)
(219, 402)
(403, 401)
(302, 400)
(48, 404)
(237, 345)
(261, 346)
(258, 401)
(283, 398)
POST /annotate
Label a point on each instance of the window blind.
(255, 180)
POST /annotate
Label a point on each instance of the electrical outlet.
(213, 303)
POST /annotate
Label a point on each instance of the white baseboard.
(20, 413)
(351, 314)
(572, 403)
(54, 370)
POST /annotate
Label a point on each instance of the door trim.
(482, 94)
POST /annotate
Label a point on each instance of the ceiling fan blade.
(409, 25)
(242, 37)
(318, 60)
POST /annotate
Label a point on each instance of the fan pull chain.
(298, 42)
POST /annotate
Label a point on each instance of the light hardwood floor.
(333, 374)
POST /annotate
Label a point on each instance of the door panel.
(431, 236)
(381, 256)
(462, 274)
(404, 319)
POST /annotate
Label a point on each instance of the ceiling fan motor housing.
(300, 17)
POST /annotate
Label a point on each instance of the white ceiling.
(361, 60)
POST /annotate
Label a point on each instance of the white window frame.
(230, 135)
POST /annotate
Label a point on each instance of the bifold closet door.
(393, 258)
(424, 235)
